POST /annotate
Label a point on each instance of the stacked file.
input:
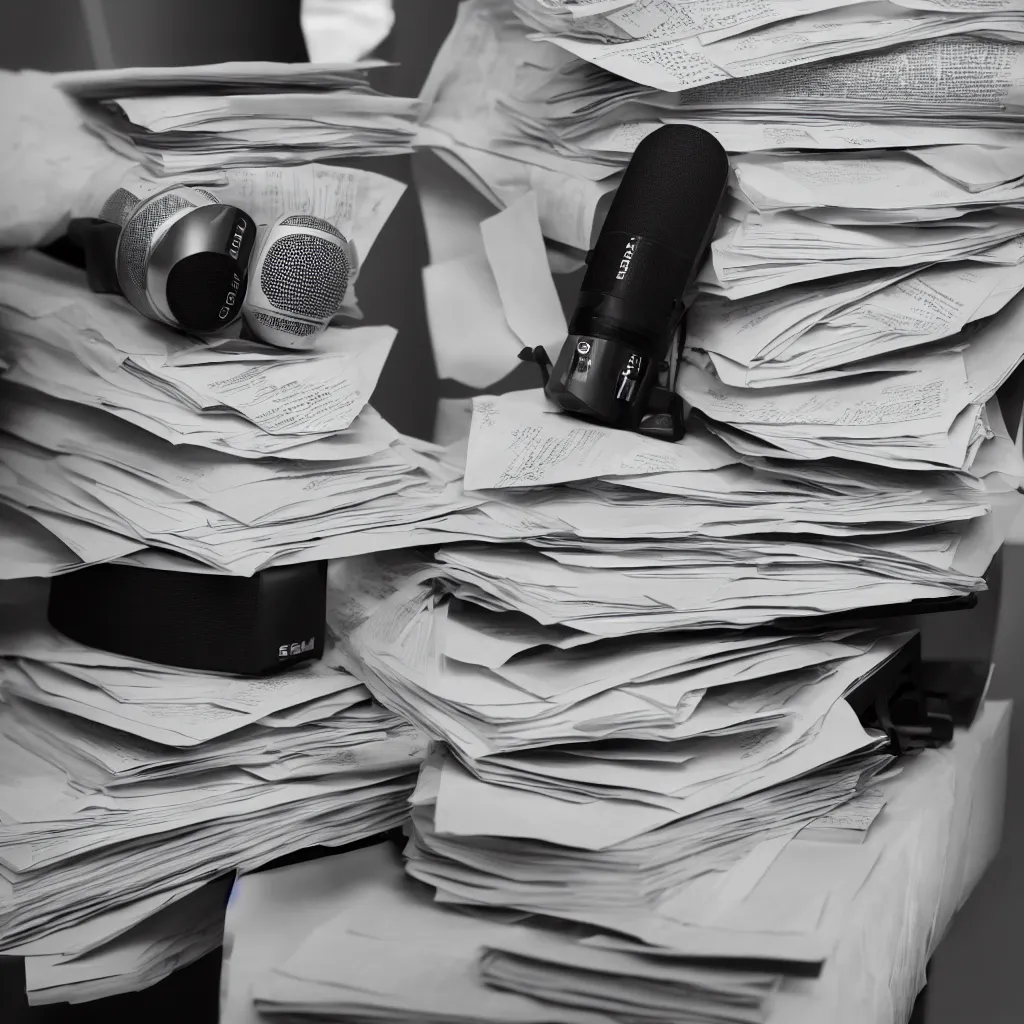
(858, 301)
(536, 117)
(626, 533)
(121, 435)
(640, 715)
(82, 964)
(176, 120)
(313, 940)
(683, 44)
(127, 787)
(664, 792)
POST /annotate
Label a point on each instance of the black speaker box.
(245, 625)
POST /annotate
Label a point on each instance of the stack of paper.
(873, 241)
(108, 489)
(534, 117)
(243, 114)
(683, 44)
(605, 776)
(86, 964)
(385, 952)
(126, 787)
(312, 941)
(627, 533)
(617, 747)
(123, 435)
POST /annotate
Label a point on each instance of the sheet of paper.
(515, 250)
(471, 338)
(520, 439)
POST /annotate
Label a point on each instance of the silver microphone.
(128, 195)
(182, 256)
(299, 275)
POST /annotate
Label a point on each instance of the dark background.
(974, 976)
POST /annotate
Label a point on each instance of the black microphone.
(631, 305)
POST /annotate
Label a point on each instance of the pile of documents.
(625, 533)
(638, 696)
(347, 937)
(127, 787)
(182, 119)
(122, 436)
(683, 44)
(858, 301)
(514, 111)
(639, 711)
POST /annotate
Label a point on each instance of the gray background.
(974, 976)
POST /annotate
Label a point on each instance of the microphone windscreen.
(671, 189)
(118, 206)
(304, 273)
(298, 280)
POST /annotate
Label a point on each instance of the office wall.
(202, 31)
(49, 35)
(54, 35)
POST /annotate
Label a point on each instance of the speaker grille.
(117, 207)
(305, 220)
(279, 323)
(133, 249)
(305, 275)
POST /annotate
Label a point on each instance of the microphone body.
(300, 272)
(643, 265)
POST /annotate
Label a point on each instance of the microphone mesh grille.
(304, 220)
(285, 326)
(305, 275)
(118, 205)
(206, 194)
(133, 247)
(671, 188)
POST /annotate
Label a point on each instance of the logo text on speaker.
(231, 298)
(236, 239)
(291, 650)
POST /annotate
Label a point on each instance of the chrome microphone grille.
(119, 204)
(279, 323)
(305, 275)
(305, 220)
(133, 248)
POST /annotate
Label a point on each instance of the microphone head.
(119, 205)
(671, 189)
(299, 276)
(182, 257)
(132, 190)
(644, 262)
(659, 225)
